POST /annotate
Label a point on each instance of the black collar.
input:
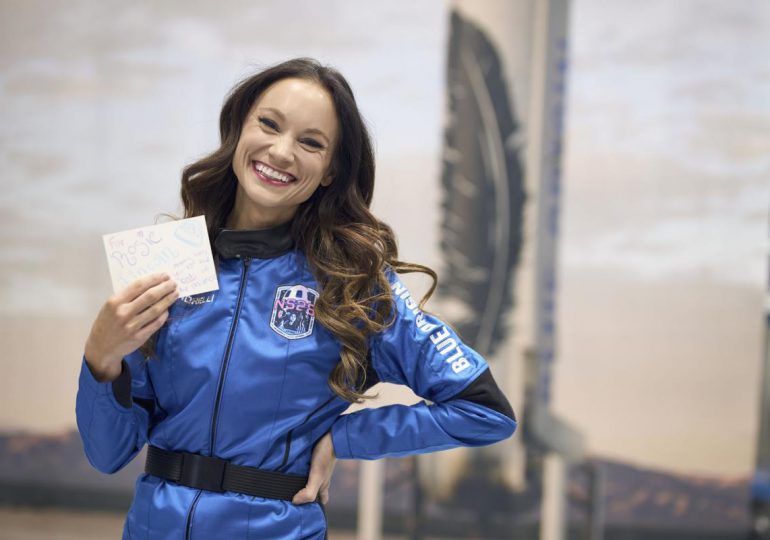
(259, 243)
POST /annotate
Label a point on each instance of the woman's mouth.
(271, 176)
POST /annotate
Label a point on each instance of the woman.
(239, 392)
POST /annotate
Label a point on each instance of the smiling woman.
(242, 401)
(283, 153)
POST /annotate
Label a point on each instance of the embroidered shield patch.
(293, 311)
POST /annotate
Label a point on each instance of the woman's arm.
(422, 352)
(113, 417)
(115, 402)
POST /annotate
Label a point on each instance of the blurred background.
(590, 180)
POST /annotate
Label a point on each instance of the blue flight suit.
(241, 373)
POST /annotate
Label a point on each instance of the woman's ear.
(328, 178)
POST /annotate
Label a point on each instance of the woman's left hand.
(322, 463)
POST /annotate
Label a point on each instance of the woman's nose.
(281, 150)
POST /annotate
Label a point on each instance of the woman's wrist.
(103, 369)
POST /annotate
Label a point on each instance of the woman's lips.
(267, 179)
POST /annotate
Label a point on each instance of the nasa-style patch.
(293, 311)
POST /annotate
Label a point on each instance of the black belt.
(216, 474)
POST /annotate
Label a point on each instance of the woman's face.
(283, 153)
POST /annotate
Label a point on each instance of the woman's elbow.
(473, 424)
(106, 464)
(506, 429)
(499, 427)
(489, 406)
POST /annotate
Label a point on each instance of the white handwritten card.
(179, 248)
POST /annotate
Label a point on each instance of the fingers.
(313, 490)
(148, 330)
(153, 300)
(305, 495)
(321, 468)
(128, 319)
(155, 311)
(310, 491)
(134, 289)
(310, 494)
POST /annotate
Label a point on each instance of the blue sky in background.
(666, 192)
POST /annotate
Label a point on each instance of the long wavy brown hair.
(346, 246)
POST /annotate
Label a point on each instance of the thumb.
(306, 494)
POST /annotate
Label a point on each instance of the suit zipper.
(228, 350)
(307, 418)
(190, 515)
(222, 371)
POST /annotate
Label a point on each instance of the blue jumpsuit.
(241, 373)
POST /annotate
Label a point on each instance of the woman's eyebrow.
(276, 111)
(280, 115)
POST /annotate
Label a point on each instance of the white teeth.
(272, 173)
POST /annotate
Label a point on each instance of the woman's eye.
(269, 123)
(312, 142)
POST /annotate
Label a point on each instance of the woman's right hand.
(126, 321)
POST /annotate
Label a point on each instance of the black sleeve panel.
(146, 404)
(484, 391)
(121, 387)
